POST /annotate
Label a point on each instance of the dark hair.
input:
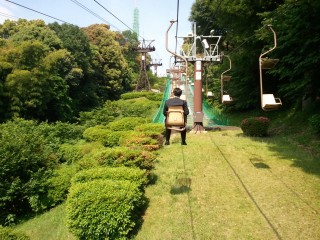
(177, 92)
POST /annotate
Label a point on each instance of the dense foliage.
(53, 72)
(10, 234)
(245, 37)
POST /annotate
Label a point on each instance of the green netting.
(215, 117)
(213, 114)
(159, 117)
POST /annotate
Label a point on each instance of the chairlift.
(268, 101)
(225, 98)
(209, 94)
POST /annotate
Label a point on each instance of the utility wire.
(177, 27)
(37, 11)
(8, 16)
(92, 12)
(115, 17)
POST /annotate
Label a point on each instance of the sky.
(154, 18)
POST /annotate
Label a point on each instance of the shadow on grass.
(181, 185)
(299, 155)
(258, 163)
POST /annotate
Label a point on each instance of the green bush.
(102, 116)
(60, 183)
(139, 107)
(10, 234)
(107, 137)
(255, 126)
(61, 132)
(113, 173)
(119, 156)
(133, 95)
(151, 128)
(72, 153)
(104, 209)
(26, 161)
(154, 130)
(138, 140)
(314, 122)
(126, 123)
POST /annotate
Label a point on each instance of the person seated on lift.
(176, 101)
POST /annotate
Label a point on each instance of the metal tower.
(155, 63)
(136, 20)
(143, 80)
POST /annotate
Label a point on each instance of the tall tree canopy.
(53, 72)
(242, 24)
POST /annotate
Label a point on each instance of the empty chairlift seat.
(226, 99)
(225, 78)
(268, 63)
(209, 94)
(269, 102)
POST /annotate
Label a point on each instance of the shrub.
(107, 137)
(126, 123)
(102, 116)
(72, 153)
(151, 128)
(114, 173)
(10, 234)
(26, 161)
(314, 122)
(140, 107)
(139, 140)
(104, 209)
(61, 132)
(255, 126)
(60, 183)
(133, 95)
(119, 156)
(154, 130)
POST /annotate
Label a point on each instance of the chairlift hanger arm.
(229, 65)
(175, 54)
(274, 41)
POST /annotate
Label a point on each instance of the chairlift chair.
(268, 101)
(225, 98)
(226, 78)
(209, 94)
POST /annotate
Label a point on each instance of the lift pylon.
(143, 80)
(155, 63)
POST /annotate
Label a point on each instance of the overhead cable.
(177, 26)
(115, 17)
(8, 16)
(92, 12)
(37, 11)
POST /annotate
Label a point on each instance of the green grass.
(223, 185)
(49, 226)
(241, 188)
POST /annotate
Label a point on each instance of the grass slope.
(241, 188)
(221, 186)
(48, 226)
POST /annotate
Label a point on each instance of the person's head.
(177, 92)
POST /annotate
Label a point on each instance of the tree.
(237, 22)
(110, 66)
(298, 31)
